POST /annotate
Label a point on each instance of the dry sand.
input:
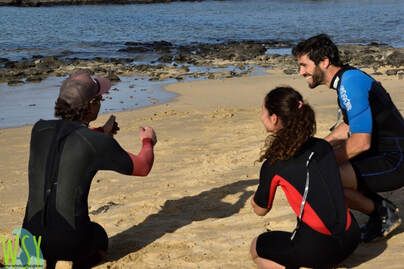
(193, 210)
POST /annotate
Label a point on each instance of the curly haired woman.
(305, 168)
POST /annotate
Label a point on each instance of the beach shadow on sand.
(368, 251)
(175, 214)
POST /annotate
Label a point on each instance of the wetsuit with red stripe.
(326, 222)
(64, 158)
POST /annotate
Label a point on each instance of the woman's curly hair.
(64, 111)
(298, 121)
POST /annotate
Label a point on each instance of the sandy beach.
(193, 210)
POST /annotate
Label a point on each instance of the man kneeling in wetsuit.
(369, 143)
(65, 155)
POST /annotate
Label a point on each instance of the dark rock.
(50, 62)
(233, 74)
(395, 59)
(36, 57)
(114, 60)
(162, 46)
(392, 72)
(15, 73)
(166, 58)
(158, 46)
(159, 66)
(113, 77)
(367, 60)
(376, 44)
(66, 52)
(38, 3)
(182, 58)
(237, 51)
(25, 64)
(139, 48)
(42, 69)
(232, 51)
(142, 67)
(34, 78)
(290, 71)
(377, 73)
(15, 82)
(130, 43)
(153, 78)
(100, 69)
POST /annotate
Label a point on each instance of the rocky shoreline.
(178, 61)
(38, 3)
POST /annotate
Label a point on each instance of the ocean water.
(101, 30)
(27, 103)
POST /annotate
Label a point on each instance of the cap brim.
(105, 85)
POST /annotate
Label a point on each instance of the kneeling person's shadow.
(175, 214)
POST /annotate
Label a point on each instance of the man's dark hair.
(317, 48)
(64, 111)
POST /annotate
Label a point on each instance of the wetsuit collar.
(337, 78)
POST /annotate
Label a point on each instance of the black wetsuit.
(64, 158)
(368, 108)
(327, 232)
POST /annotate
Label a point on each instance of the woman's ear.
(274, 118)
(276, 122)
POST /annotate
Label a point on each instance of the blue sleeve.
(353, 95)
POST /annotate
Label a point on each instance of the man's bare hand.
(111, 126)
(147, 132)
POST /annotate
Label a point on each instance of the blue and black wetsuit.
(368, 108)
(64, 158)
(327, 232)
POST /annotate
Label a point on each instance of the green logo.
(23, 251)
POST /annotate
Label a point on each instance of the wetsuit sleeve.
(265, 193)
(354, 99)
(143, 162)
(111, 156)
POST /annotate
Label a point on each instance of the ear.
(276, 121)
(325, 63)
(273, 117)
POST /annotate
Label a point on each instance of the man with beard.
(369, 143)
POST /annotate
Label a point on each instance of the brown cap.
(80, 88)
